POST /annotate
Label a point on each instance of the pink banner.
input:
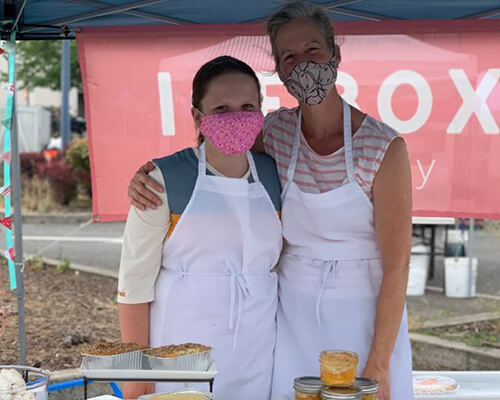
(441, 91)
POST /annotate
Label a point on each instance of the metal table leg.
(444, 255)
(433, 250)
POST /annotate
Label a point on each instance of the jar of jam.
(338, 393)
(338, 368)
(307, 388)
(369, 387)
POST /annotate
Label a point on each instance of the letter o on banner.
(424, 104)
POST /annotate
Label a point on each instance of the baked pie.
(105, 355)
(112, 349)
(173, 350)
(187, 356)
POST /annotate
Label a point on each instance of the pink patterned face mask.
(232, 132)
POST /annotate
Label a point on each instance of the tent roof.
(45, 19)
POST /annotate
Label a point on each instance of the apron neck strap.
(295, 149)
(253, 168)
(202, 161)
(349, 164)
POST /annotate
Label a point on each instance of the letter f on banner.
(474, 101)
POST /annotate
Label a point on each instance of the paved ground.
(99, 245)
(486, 246)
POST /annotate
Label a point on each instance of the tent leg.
(65, 123)
(18, 241)
(469, 251)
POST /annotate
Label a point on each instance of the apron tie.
(238, 291)
(330, 266)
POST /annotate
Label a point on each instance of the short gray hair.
(300, 9)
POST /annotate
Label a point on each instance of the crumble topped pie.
(176, 350)
(111, 349)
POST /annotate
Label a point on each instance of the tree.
(39, 65)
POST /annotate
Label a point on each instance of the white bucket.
(419, 268)
(459, 280)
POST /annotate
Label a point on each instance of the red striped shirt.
(315, 173)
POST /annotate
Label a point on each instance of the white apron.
(216, 287)
(329, 279)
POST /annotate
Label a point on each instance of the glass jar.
(307, 388)
(368, 386)
(338, 393)
(338, 368)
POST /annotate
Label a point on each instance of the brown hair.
(300, 9)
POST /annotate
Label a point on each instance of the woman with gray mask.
(346, 216)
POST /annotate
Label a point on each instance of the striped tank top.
(317, 173)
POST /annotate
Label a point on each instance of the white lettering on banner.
(166, 104)
(474, 101)
(350, 86)
(424, 94)
(424, 175)
(269, 103)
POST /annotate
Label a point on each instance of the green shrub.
(77, 156)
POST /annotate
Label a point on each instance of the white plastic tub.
(473, 385)
(419, 269)
(460, 278)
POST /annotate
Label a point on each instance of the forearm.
(390, 306)
(134, 323)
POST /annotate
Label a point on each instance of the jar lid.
(367, 385)
(308, 384)
(334, 393)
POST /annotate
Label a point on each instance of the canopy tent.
(53, 19)
(61, 19)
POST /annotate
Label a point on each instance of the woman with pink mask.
(346, 214)
(198, 268)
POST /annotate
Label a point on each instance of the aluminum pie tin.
(172, 395)
(188, 362)
(130, 360)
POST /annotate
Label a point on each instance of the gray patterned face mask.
(310, 83)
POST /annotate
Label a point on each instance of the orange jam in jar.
(338, 368)
(307, 388)
(369, 387)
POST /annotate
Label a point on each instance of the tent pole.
(469, 251)
(18, 238)
(64, 125)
